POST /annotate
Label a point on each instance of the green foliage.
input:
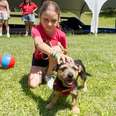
(99, 56)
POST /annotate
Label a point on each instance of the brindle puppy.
(66, 83)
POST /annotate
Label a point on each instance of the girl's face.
(27, 1)
(49, 20)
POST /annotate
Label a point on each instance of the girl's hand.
(69, 59)
(59, 57)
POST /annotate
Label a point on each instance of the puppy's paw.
(76, 110)
(49, 106)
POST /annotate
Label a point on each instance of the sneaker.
(26, 34)
(0, 34)
(8, 35)
(49, 81)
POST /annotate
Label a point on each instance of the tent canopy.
(75, 6)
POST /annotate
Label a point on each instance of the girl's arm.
(35, 10)
(7, 7)
(20, 7)
(46, 49)
(39, 44)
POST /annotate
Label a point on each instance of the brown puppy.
(66, 83)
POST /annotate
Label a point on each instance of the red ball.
(12, 62)
(0, 60)
(7, 61)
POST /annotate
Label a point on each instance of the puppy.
(66, 83)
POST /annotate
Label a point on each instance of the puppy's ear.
(79, 68)
(82, 68)
(80, 65)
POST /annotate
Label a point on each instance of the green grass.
(99, 56)
(105, 20)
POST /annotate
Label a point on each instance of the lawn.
(99, 56)
(105, 19)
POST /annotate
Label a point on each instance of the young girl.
(47, 38)
(4, 16)
(28, 9)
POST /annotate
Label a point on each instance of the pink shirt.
(27, 9)
(58, 37)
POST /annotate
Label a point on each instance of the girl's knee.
(34, 81)
(32, 84)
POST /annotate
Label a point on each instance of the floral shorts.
(4, 15)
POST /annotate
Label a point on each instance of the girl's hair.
(48, 3)
(24, 2)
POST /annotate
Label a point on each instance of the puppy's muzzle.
(70, 75)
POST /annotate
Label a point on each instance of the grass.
(98, 54)
(105, 20)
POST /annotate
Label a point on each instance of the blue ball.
(6, 60)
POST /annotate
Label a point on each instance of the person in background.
(28, 9)
(47, 36)
(4, 16)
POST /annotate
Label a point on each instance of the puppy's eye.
(75, 68)
(63, 68)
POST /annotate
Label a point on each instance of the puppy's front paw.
(75, 109)
(49, 106)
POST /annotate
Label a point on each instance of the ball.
(7, 61)
(0, 60)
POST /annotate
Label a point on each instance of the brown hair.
(48, 3)
(24, 2)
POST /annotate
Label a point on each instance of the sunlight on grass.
(104, 21)
(97, 53)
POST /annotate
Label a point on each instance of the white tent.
(79, 6)
(95, 7)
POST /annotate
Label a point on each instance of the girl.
(4, 16)
(28, 9)
(48, 39)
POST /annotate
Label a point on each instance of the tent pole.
(115, 23)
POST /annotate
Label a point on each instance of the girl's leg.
(1, 24)
(7, 28)
(36, 75)
(27, 28)
(31, 25)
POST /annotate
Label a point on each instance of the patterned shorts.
(4, 15)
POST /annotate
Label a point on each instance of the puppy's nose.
(70, 75)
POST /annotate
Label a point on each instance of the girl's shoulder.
(21, 5)
(33, 3)
(36, 29)
(60, 32)
(36, 26)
